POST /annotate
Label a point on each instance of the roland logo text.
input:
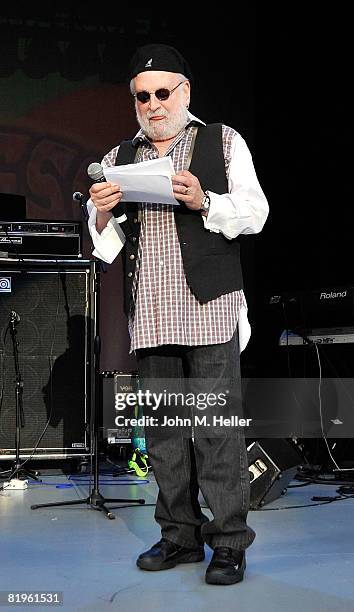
(333, 294)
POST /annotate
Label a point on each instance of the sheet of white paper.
(148, 181)
(161, 165)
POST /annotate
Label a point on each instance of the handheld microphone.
(95, 172)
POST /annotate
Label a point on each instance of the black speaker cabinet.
(55, 304)
(272, 463)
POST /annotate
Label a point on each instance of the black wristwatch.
(205, 205)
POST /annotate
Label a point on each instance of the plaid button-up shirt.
(164, 310)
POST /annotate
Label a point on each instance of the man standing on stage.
(184, 301)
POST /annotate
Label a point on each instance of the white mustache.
(151, 115)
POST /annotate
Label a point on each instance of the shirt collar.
(140, 136)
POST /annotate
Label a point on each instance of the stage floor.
(302, 558)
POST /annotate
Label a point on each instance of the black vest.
(211, 262)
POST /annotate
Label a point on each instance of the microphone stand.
(79, 197)
(95, 499)
(20, 418)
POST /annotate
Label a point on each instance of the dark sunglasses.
(162, 94)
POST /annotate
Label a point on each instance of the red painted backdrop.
(45, 150)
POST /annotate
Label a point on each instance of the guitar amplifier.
(41, 238)
(115, 388)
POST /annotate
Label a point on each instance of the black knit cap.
(158, 57)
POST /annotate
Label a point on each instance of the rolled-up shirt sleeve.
(109, 243)
(244, 209)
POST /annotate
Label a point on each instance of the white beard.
(165, 128)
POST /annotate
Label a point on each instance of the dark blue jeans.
(215, 465)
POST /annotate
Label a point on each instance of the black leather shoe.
(166, 554)
(227, 566)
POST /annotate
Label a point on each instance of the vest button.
(130, 274)
(135, 220)
(131, 256)
(134, 238)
